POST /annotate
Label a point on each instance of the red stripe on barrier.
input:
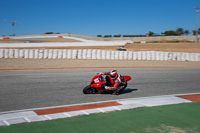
(193, 98)
(75, 108)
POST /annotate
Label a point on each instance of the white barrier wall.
(74, 54)
(21, 53)
(2, 53)
(89, 54)
(103, 54)
(41, 53)
(69, 54)
(79, 56)
(50, 54)
(84, 54)
(31, 53)
(112, 53)
(26, 53)
(94, 54)
(64, 54)
(97, 54)
(108, 55)
(45, 54)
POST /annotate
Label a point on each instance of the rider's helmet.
(114, 74)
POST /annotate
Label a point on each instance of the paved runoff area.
(49, 113)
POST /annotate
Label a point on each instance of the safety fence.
(97, 54)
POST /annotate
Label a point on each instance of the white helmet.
(113, 73)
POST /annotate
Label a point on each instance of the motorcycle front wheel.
(88, 90)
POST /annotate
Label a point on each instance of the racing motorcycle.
(99, 81)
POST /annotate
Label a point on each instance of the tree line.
(177, 32)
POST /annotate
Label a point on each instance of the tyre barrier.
(97, 54)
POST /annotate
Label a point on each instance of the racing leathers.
(114, 84)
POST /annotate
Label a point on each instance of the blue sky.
(96, 17)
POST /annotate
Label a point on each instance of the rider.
(115, 81)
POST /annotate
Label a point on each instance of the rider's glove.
(106, 87)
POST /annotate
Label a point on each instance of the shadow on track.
(128, 90)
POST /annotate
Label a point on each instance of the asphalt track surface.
(42, 88)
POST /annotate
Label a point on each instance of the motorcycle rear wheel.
(88, 90)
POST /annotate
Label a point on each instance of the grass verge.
(180, 118)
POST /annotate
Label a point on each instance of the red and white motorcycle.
(99, 81)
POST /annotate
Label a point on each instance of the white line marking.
(66, 114)
(48, 117)
(101, 110)
(116, 108)
(84, 112)
(26, 119)
(6, 122)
